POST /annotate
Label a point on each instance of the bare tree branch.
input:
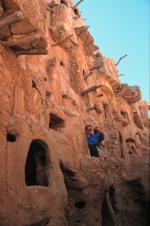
(78, 3)
(121, 59)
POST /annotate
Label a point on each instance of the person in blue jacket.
(93, 139)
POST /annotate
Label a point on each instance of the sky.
(122, 27)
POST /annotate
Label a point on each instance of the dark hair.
(87, 126)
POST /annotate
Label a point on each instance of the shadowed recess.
(37, 164)
(11, 137)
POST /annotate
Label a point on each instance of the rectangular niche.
(56, 122)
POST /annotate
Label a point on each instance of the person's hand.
(96, 129)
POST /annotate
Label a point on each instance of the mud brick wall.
(54, 81)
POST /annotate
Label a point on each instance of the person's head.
(98, 128)
(88, 129)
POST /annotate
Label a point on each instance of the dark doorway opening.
(37, 164)
(11, 137)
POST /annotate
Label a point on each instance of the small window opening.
(62, 64)
(84, 73)
(76, 11)
(63, 2)
(45, 79)
(37, 164)
(56, 122)
(33, 84)
(11, 137)
(80, 204)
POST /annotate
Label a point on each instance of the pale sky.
(122, 27)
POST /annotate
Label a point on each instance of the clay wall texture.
(54, 81)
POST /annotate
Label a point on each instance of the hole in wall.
(33, 84)
(56, 122)
(11, 137)
(62, 63)
(76, 11)
(84, 73)
(80, 204)
(37, 164)
(63, 2)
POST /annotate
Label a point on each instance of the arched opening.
(37, 164)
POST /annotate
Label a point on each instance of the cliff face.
(54, 81)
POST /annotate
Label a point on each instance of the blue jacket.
(94, 139)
